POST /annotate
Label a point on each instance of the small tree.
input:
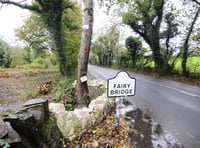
(36, 41)
(5, 54)
(124, 58)
(133, 44)
(170, 32)
(2, 54)
(107, 46)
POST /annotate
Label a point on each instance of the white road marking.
(173, 88)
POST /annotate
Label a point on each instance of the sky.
(12, 17)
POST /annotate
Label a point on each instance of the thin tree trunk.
(185, 46)
(82, 86)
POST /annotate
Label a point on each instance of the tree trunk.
(58, 39)
(154, 43)
(82, 86)
(185, 46)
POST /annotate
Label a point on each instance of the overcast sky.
(11, 17)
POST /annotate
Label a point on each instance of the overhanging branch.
(196, 1)
(20, 5)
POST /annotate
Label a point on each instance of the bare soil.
(16, 86)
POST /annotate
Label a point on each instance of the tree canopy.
(106, 46)
(51, 13)
(145, 18)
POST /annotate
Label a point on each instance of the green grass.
(193, 64)
(30, 94)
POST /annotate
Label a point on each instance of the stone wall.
(72, 122)
(30, 127)
(39, 124)
(43, 124)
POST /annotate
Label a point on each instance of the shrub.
(66, 93)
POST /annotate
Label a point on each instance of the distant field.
(193, 64)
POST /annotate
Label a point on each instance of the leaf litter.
(104, 135)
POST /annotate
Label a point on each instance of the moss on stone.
(51, 133)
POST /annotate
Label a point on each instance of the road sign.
(121, 85)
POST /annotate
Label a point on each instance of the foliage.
(40, 41)
(124, 58)
(164, 27)
(196, 38)
(40, 63)
(5, 57)
(185, 53)
(106, 47)
(2, 54)
(51, 133)
(51, 13)
(66, 93)
(193, 65)
(169, 32)
(144, 18)
(36, 41)
(133, 44)
(93, 59)
(187, 20)
(72, 31)
(14, 56)
(102, 55)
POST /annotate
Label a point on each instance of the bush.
(66, 93)
(39, 63)
(194, 64)
(45, 62)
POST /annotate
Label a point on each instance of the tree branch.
(71, 6)
(23, 6)
(196, 1)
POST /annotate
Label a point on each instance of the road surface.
(176, 106)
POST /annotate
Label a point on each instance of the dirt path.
(16, 86)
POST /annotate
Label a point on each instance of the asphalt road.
(176, 106)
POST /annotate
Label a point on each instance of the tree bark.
(61, 55)
(153, 41)
(82, 86)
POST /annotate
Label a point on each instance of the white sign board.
(121, 85)
(83, 79)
